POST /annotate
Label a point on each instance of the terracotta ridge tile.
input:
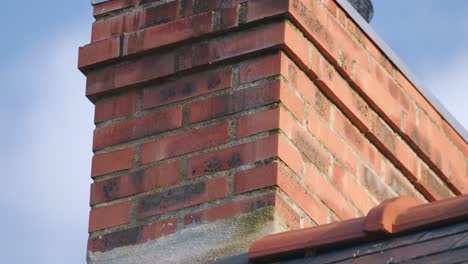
(382, 217)
(393, 216)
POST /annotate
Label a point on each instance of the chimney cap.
(364, 8)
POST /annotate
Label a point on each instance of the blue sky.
(48, 122)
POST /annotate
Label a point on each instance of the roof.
(398, 231)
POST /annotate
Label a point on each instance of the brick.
(306, 88)
(229, 17)
(163, 64)
(229, 210)
(240, 100)
(337, 147)
(138, 71)
(260, 38)
(187, 87)
(258, 122)
(260, 68)
(256, 178)
(109, 216)
(375, 184)
(265, 8)
(290, 155)
(205, 6)
(455, 138)
(293, 103)
(136, 182)
(297, 192)
(184, 143)
(97, 52)
(359, 142)
(287, 213)
(434, 187)
(399, 183)
(159, 14)
(312, 149)
(173, 32)
(110, 6)
(182, 197)
(350, 189)
(135, 128)
(115, 106)
(112, 161)
(325, 190)
(132, 236)
(114, 26)
(212, 162)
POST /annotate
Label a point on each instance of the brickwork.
(206, 110)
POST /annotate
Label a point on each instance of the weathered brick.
(260, 68)
(258, 122)
(325, 190)
(375, 184)
(187, 87)
(304, 199)
(229, 210)
(159, 14)
(136, 182)
(132, 236)
(182, 197)
(184, 143)
(135, 128)
(436, 189)
(312, 149)
(110, 6)
(212, 162)
(351, 189)
(109, 216)
(97, 52)
(173, 32)
(256, 178)
(226, 104)
(287, 213)
(112, 161)
(114, 26)
(115, 106)
(265, 8)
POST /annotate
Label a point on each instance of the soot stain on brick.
(292, 73)
(254, 205)
(311, 152)
(422, 142)
(174, 197)
(212, 165)
(213, 82)
(167, 94)
(137, 179)
(320, 104)
(123, 238)
(360, 105)
(386, 135)
(375, 185)
(352, 134)
(234, 160)
(110, 188)
(187, 89)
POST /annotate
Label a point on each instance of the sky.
(47, 121)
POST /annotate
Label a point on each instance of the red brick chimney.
(221, 121)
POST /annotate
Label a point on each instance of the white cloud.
(449, 83)
(47, 160)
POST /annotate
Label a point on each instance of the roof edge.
(405, 70)
(392, 217)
